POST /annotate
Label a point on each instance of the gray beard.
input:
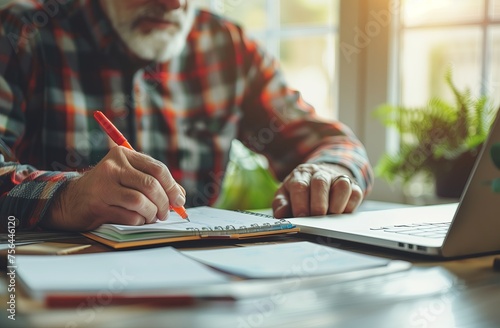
(160, 45)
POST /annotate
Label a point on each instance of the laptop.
(469, 227)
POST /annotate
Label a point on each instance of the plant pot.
(452, 175)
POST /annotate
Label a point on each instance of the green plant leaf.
(248, 184)
(434, 133)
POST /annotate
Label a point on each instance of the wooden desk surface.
(464, 292)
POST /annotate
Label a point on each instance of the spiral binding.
(281, 222)
(254, 227)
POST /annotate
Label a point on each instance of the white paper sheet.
(113, 272)
(300, 259)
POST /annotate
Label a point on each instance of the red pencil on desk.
(120, 140)
(89, 300)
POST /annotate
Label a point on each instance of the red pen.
(120, 140)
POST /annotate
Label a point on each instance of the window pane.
(493, 89)
(419, 12)
(309, 66)
(494, 9)
(428, 54)
(309, 12)
(250, 14)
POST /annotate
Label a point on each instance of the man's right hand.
(125, 187)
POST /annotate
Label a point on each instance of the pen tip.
(187, 218)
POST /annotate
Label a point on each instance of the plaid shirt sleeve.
(279, 124)
(25, 193)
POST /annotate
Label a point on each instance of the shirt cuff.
(28, 202)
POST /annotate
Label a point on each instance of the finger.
(119, 215)
(339, 195)
(355, 199)
(148, 186)
(281, 204)
(161, 173)
(182, 190)
(298, 188)
(320, 192)
(132, 200)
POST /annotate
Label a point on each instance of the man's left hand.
(317, 189)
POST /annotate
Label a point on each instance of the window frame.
(368, 79)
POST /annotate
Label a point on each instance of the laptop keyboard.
(430, 230)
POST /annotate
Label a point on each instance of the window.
(461, 35)
(439, 35)
(302, 34)
(406, 63)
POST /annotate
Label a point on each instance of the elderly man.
(180, 84)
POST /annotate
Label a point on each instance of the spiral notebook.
(206, 223)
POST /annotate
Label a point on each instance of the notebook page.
(204, 219)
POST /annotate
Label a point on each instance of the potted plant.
(439, 141)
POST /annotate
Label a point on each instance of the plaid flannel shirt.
(61, 60)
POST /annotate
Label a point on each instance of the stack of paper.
(113, 273)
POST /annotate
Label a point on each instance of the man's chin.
(148, 26)
(155, 48)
